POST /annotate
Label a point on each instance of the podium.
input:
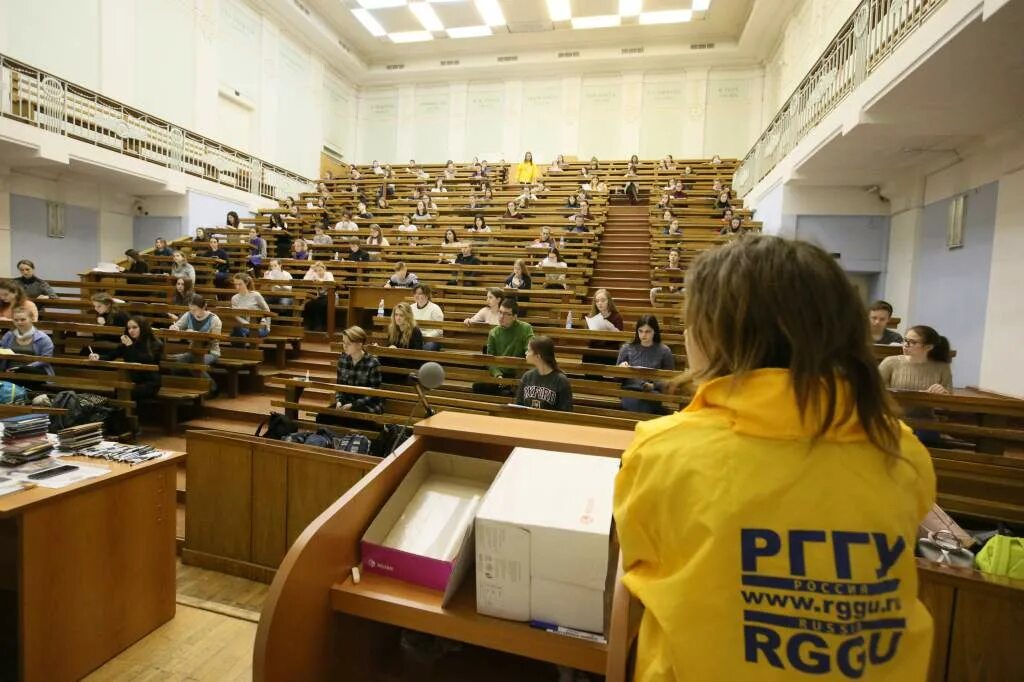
(317, 624)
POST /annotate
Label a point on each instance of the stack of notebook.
(25, 438)
(80, 437)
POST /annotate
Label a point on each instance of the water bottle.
(380, 308)
(336, 256)
(561, 242)
(568, 320)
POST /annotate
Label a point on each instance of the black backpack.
(278, 427)
(82, 408)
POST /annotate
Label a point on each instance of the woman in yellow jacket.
(527, 171)
(769, 527)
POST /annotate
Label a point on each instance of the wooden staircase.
(623, 264)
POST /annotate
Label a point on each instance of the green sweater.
(510, 342)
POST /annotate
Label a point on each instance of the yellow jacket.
(761, 556)
(526, 173)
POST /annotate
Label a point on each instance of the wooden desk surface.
(16, 503)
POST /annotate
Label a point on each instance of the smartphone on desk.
(50, 473)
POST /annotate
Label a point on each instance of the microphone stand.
(428, 411)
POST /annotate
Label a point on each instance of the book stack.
(25, 438)
(80, 437)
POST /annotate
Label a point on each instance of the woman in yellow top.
(527, 171)
(769, 527)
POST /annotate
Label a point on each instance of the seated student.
(727, 217)
(321, 238)
(278, 274)
(466, 257)
(630, 187)
(201, 238)
(33, 286)
(408, 226)
(479, 224)
(544, 387)
(544, 241)
(300, 251)
(599, 185)
(376, 237)
(160, 248)
(382, 202)
(553, 260)
(346, 223)
(687, 170)
(257, 250)
(222, 272)
(362, 212)
(183, 290)
(572, 202)
(449, 170)
(13, 299)
(723, 202)
(315, 310)
(138, 344)
(439, 186)
(602, 309)
(512, 212)
(557, 165)
(355, 251)
(357, 368)
(401, 277)
(645, 350)
(246, 298)
(25, 339)
(666, 215)
(136, 266)
(678, 190)
(421, 214)
(789, 449)
(448, 242)
(508, 339)
(924, 365)
(199, 319)
(277, 221)
(489, 313)
(604, 305)
(579, 224)
(402, 329)
(181, 268)
(232, 219)
(733, 229)
(107, 315)
(879, 314)
(664, 202)
(425, 310)
(674, 271)
(520, 277)
(673, 228)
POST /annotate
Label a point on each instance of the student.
(375, 168)
(321, 238)
(604, 305)
(723, 202)
(356, 252)
(508, 339)
(645, 350)
(630, 187)
(182, 294)
(402, 277)
(480, 224)
(438, 186)
(727, 217)
(425, 310)
(25, 339)
(277, 221)
(449, 171)
(599, 185)
(553, 260)
(362, 212)
(674, 271)
(673, 228)
(544, 387)
(408, 226)
(520, 277)
(382, 202)
(402, 329)
(160, 248)
(232, 219)
(201, 238)
(221, 272)
(544, 241)
(315, 310)
(924, 365)
(376, 237)
(278, 274)
(246, 298)
(257, 248)
(299, 250)
(356, 367)
(13, 299)
(138, 344)
(512, 212)
(879, 315)
(557, 165)
(788, 468)
(199, 319)
(421, 215)
(572, 202)
(467, 257)
(489, 313)
(107, 315)
(526, 172)
(733, 229)
(579, 224)
(346, 223)
(181, 268)
(33, 286)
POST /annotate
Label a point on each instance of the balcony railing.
(53, 104)
(869, 36)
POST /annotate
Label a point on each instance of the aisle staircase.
(623, 264)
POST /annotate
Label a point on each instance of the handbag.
(937, 519)
(942, 547)
(1003, 555)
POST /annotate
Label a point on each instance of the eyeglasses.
(911, 342)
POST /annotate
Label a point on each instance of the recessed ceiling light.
(427, 16)
(410, 36)
(559, 10)
(369, 23)
(599, 21)
(699, 5)
(669, 16)
(380, 4)
(630, 8)
(470, 32)
(444, 2)
(490, 12)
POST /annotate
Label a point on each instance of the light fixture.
(444, 2)
(470, 32)
(598, 21)
(381, 4)
(559, 10)
(630, 8)
(427, 16)
(669, 16)
(699, 5)
(490, 12)
(410, 36)
(369, 23)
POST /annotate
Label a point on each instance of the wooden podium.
(318, 625)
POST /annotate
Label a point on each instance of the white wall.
(691, 114)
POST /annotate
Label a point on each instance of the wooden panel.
(98, 573)
(269, 500)
(313, 486)
(219, 501)
(938, 599)
(987, 632)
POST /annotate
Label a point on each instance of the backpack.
(12, 394)
(278, 426)
(82, 408)
(390, 438)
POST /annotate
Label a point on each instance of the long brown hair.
(611, 303)
(544, 347)
(400, 335)
(764, 302)
(16, 289)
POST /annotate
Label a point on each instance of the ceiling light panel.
(699, 5)
(670, 16)
(559, 10)
(426, 16)
(381, 4)
(630, 8)
(490, 12)
(599, 21)
(411, 36)
(470, 32)
(369, 23)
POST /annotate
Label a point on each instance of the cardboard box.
(423, 534)
(542, 539)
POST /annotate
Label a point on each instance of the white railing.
(55, 105)
(871, 34)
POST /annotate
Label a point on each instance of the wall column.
(696, 88)
(5, 222)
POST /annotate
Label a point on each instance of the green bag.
(1002, 555)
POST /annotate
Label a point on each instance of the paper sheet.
(598, 323)
(83, 472)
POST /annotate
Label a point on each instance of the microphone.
(429, 376)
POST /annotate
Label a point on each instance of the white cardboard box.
(542, 539)
(423, 533)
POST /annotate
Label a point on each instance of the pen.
(568, 632)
